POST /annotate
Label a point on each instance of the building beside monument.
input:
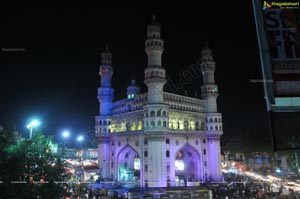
(158, 139)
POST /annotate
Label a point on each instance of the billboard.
(278, 33)
(282, 28)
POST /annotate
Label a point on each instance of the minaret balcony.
(208, 66)
(154, 42)
(155, 80)
(105, 69)
(209, 88)
(105, 92)
(157, 48)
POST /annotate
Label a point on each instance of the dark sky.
(53, 73)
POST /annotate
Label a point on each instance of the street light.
(33, 123)
(65, 135)
(80, 139)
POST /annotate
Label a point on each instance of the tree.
(7, 137)
(293, 155)
(29, 169)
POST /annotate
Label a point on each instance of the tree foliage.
(29, 169)
(293, 155)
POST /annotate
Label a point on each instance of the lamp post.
(65, 135)
(80, 139)
(33, 123)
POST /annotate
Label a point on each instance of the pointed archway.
(128, 165)
(187, 165)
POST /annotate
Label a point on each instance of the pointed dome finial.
(206, 46)
(106, 56)
(132, 89)
(206, 50)
(154, 21)
(132, 80)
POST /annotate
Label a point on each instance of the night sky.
(50, 57)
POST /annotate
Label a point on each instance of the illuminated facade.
(158, 139)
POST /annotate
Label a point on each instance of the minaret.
(105, 92)
(105, 97)
(155, 112)
(155, 74)
(209, 92)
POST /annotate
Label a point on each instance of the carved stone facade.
(158, 139)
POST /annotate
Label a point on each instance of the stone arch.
(190, 158)
(159, 123)
(152, 113)
(164, 124)
(197, 126)
(185, 124)
(152, 124)
(158, 113)
(167, 141)
(126, 158)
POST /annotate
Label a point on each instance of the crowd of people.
(233, 186)
(241, 186)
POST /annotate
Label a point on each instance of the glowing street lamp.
(80, 139)
(65, 134)
(31, 125)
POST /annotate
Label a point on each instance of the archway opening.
(128, 165)
(187, 166)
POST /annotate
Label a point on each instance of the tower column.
(214, 150)
(155, 74)
(105, 97)
(157, 158)
(103, 156)
(156, 118)
(105, 92)
(209, 91)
